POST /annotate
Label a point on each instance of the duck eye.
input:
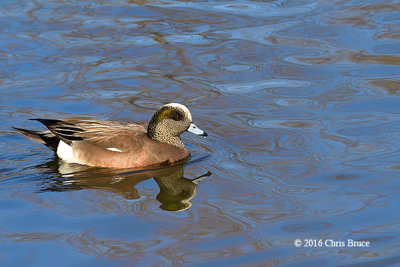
(177, 117)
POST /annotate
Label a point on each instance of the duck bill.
(196, 130)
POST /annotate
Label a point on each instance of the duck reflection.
(175, 194)
(175, 190)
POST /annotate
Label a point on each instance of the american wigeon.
(119, 144)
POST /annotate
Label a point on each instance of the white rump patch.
(113, 149)
(64, 152)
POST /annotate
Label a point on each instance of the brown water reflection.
(175, 194)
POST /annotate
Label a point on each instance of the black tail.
(64, 130)
(45, 137)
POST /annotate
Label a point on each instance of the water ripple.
(248, 87)
(300, 100)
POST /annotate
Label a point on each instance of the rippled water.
(300, 99)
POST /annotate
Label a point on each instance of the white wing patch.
(114, 149)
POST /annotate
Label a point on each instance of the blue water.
(300, 100)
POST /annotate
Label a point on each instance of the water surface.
(300, 100)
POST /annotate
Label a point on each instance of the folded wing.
(112, 135)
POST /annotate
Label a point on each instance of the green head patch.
(167, 112)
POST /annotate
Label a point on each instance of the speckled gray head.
(192, 128)
(170, 121)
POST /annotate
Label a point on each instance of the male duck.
(119, 144)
